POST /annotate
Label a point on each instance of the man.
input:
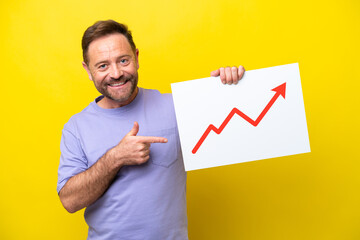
(120, 156)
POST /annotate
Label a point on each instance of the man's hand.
(134, 150)
(86, 187)
(229, 75)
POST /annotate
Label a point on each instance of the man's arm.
(85, 188)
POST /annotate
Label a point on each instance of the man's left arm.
(229, 75)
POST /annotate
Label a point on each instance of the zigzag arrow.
(279, 90)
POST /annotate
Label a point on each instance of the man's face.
(113, 69)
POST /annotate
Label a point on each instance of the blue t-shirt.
(146, 201)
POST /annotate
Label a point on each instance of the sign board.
(261, 117)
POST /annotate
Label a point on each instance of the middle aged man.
(120, 156)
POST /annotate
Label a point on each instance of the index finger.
(152, 139)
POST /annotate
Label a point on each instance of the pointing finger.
(152, 139)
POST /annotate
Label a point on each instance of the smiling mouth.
(118, 84)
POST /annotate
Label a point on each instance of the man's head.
(111, 61)
(101, 29)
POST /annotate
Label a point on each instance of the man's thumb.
(134, 130)
(215, 73)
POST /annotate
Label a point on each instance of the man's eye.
(102, 66)
(123, 61)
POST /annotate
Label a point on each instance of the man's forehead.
(109, 43)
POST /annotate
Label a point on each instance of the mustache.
(120, 79)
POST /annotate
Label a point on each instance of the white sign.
(261, 117)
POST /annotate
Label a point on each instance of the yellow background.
(307, 196)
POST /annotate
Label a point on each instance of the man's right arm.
(86, 187)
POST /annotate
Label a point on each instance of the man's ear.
(85, 66)
(137, 58)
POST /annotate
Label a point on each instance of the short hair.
(102, 28)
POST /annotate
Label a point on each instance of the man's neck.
(108, 103)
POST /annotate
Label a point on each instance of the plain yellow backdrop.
(307, 196)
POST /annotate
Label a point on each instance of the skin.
(229, 75)
(112, 61)
(113, 67)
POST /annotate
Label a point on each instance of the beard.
(122, 94)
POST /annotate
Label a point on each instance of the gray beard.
(133, 80)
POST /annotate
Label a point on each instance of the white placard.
(261, 117)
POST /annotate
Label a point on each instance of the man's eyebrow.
(106, 61)
(100, 62)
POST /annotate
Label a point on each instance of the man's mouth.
(118, 84)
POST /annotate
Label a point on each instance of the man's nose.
(116, 72)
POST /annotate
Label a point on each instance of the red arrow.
(280, 90)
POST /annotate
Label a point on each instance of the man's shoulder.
(154, 92)
(79, 117)
(156, 95)
(159, 105)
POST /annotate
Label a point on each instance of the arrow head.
(280, 89)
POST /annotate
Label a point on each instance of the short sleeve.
(72, 159)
